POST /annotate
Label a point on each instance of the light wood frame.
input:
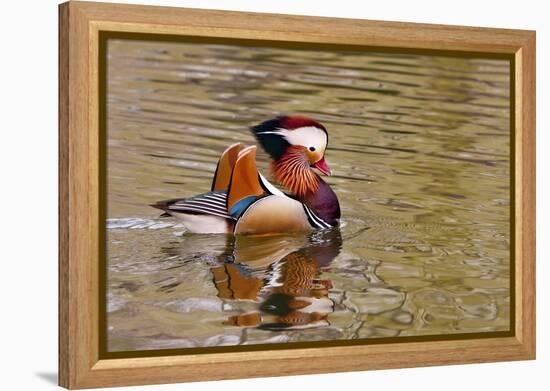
(79, 225)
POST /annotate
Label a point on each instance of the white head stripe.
(308, 136)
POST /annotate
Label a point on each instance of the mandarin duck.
(242, 201)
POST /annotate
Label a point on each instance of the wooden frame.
(79, 240)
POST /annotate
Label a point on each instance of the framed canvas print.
(251, 195)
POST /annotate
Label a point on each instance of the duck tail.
(164, 204)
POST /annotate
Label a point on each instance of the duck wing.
(211, 203)
(225, 166)
(245, 186)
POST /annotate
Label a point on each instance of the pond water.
(419, 147)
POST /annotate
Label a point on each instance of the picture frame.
(82, 27)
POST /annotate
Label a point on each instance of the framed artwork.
(249, 195)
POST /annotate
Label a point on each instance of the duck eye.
(312, 149)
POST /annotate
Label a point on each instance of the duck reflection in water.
(281, 275)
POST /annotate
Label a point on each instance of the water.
(419, 147)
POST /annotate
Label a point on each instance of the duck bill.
(322, 166)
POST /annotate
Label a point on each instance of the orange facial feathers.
(293, 172)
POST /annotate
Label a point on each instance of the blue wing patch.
(241, 206)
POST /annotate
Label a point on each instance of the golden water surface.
(419, 147)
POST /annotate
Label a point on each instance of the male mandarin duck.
(242, 201)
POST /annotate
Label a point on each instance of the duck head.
(296, 144)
